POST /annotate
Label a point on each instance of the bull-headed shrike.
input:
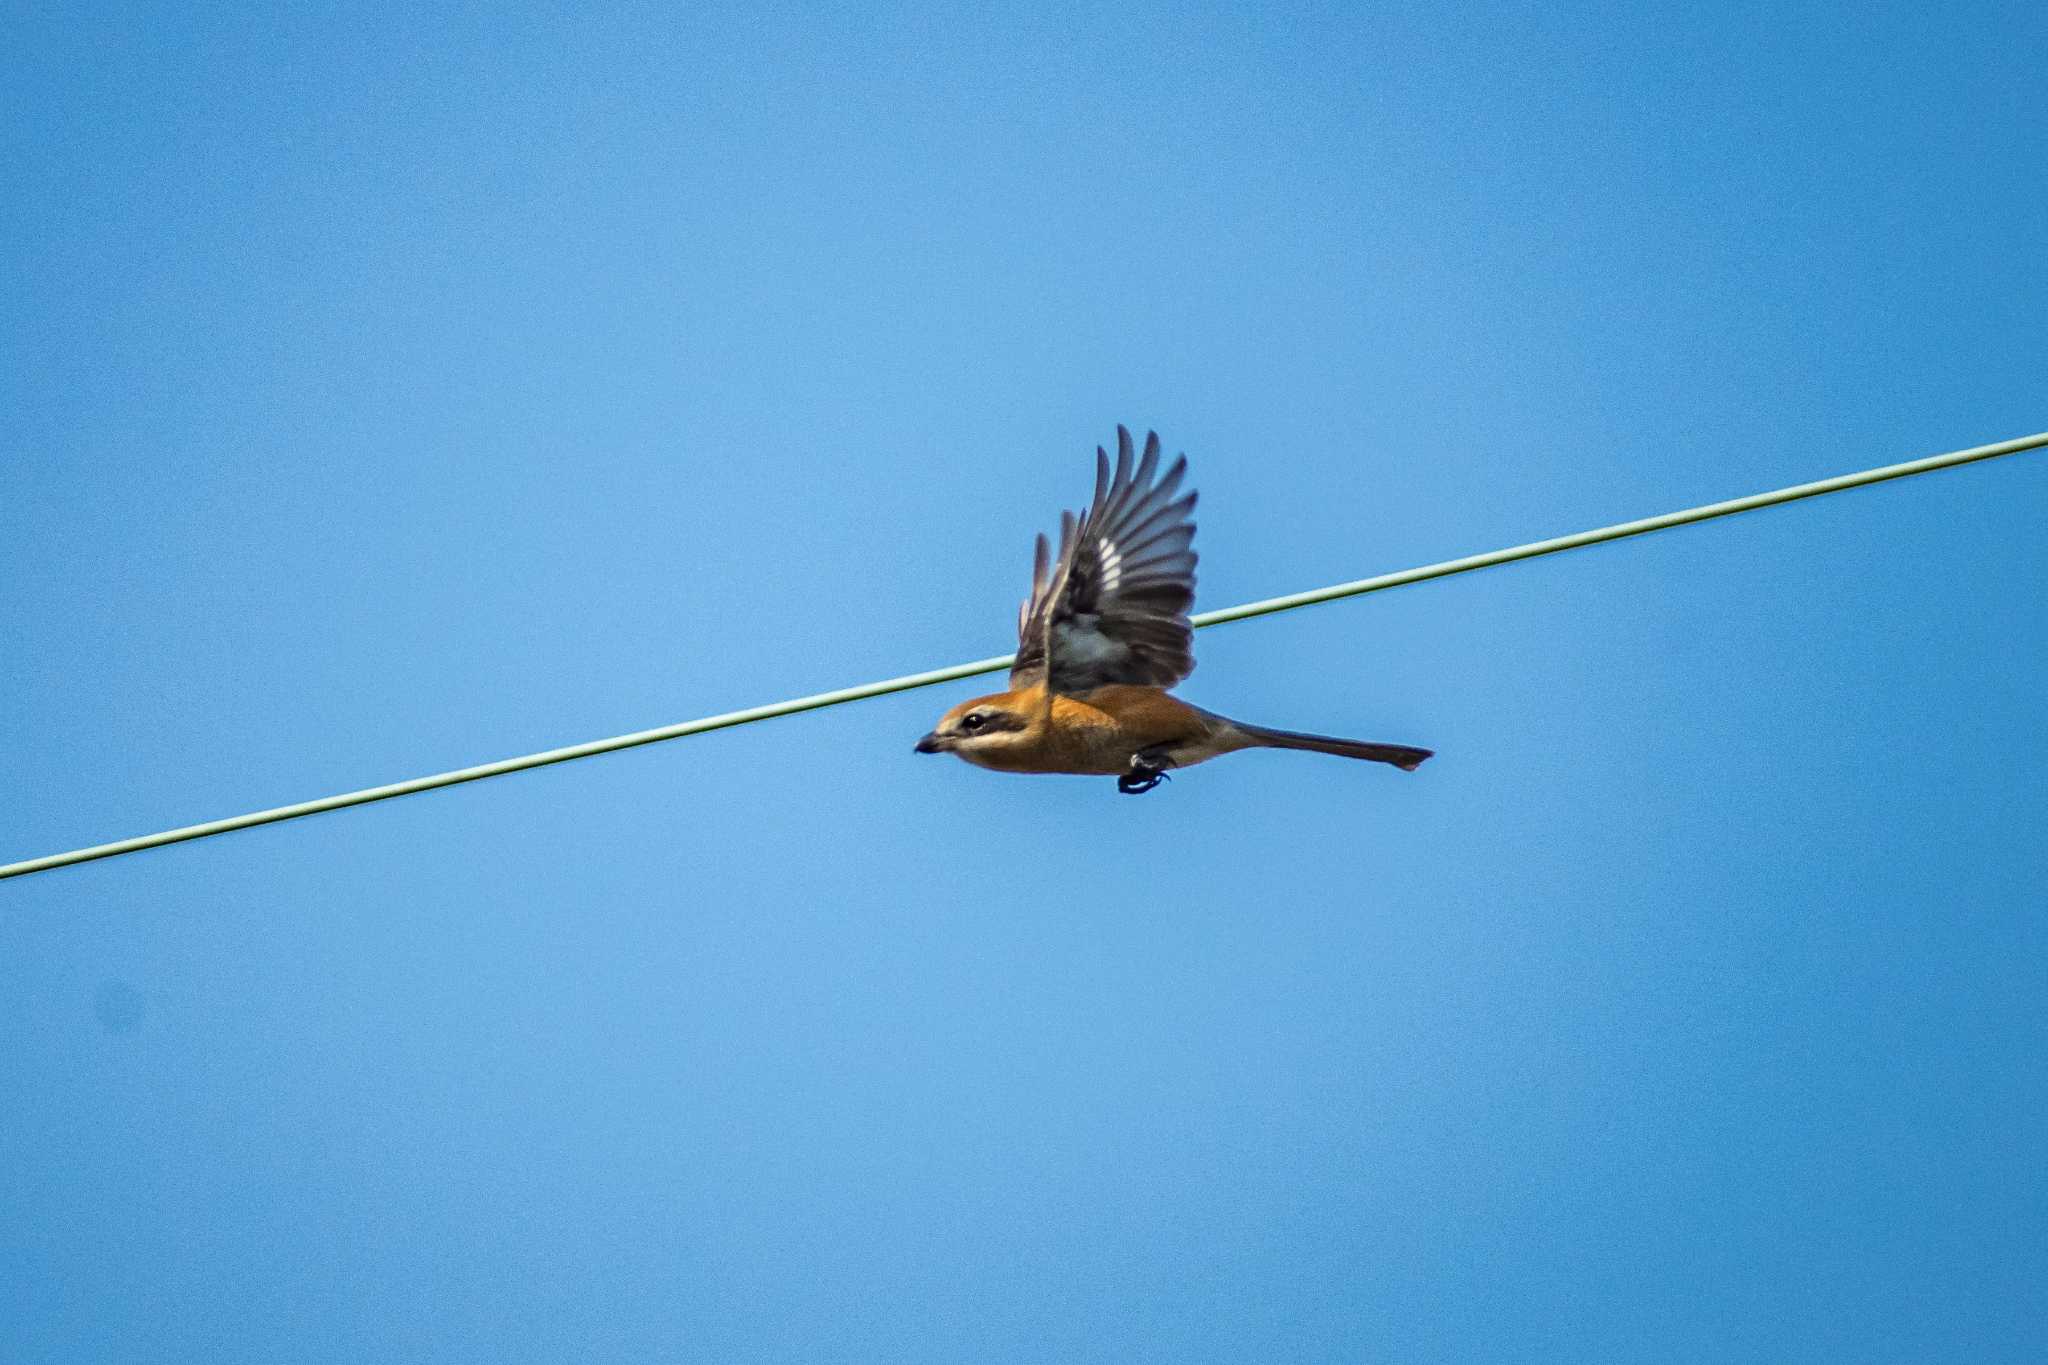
(1104, 633)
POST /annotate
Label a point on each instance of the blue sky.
(382, 393)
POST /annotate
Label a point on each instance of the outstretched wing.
(1113, 607)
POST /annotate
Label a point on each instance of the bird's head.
(979, 730)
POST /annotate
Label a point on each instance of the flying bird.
(1102, 637)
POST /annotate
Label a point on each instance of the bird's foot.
(1142, 777)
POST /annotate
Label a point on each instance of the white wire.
(1446, 568)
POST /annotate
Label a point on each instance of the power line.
(1445, 569)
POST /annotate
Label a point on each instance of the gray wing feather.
(1112, 607)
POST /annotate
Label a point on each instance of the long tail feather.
(1402, 756)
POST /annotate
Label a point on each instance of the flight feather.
(1112, 605)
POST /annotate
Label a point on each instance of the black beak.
(931, 744)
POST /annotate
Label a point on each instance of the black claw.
(1140, 780)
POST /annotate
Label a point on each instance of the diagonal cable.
(1619, 531)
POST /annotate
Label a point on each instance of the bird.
(1102, 639)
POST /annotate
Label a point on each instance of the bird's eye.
(972, 721)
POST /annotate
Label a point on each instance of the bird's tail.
(1402, 756)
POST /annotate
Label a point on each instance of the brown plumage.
(1103, 634)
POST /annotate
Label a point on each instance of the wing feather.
(1112, 605)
